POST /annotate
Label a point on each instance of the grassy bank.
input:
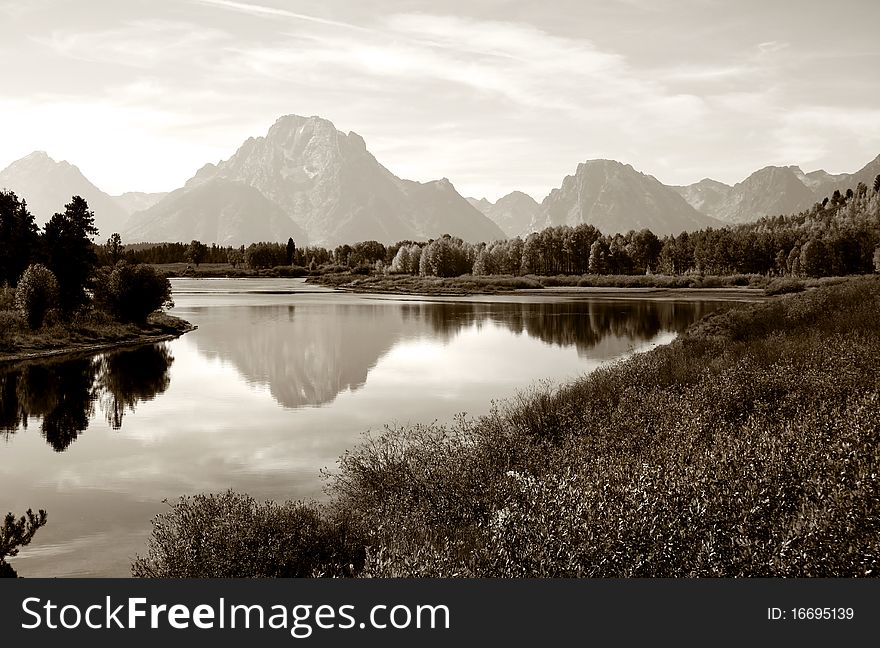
(748, 447)
(85, 331)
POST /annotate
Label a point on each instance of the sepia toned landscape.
(470, 334)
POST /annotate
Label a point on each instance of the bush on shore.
(785, 286)
(36, 293)
(131, 292)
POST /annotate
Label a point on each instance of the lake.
(280, 378)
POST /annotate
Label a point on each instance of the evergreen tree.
(18, 237)
(70, 255)
(115, 248)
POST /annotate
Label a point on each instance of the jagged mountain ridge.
(772, 191)
(48, 185)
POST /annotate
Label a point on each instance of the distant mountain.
(215, 211)
(767, 192)
(482, 204)
(48, 185)
(706, 195)
(824, 184)
(330, 185)
(772, 191)
(513, 213)
(614, 197)
(133, 201)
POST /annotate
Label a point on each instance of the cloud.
(771, 47)
(262, 11)
(138, 43)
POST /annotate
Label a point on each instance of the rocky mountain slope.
(219, 211)
(513, 213)
(772, 191)
(614, 197)
(329, 184)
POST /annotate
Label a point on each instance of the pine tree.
(67, 241)
(18, 237)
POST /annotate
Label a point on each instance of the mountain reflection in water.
(308, 354)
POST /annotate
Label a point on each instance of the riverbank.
(86, 334)
(750, 446)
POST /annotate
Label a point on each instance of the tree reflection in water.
(62, 394)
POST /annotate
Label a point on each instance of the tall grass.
(750, 446)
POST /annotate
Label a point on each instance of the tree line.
(838, 236)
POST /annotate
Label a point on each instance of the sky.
(496, 95)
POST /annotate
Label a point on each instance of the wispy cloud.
(138, 43)
(263, 11)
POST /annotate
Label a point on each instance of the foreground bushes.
(748, 447)
(233, 536)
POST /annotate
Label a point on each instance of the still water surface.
(278, 381)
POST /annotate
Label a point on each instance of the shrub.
(289, 271)
(36, 293)
(234, 536)
(784, 286)
(7, 297)
(11, 323)
(132, 292)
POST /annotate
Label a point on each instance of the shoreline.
(740, 287)
(86, 348)
(739, 294)
(671, 294)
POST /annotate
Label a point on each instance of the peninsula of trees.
(55, 295)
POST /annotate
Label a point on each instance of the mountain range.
(307, 180)
(771, 191)
(607, 194)
(616, 198)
